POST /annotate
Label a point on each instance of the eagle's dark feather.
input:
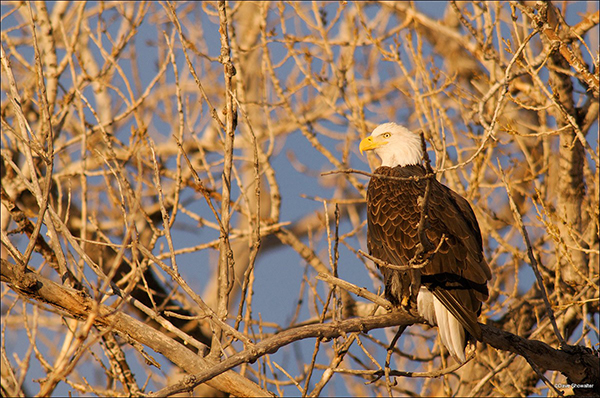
(457, 274)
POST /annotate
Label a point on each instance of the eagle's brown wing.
(457, 274)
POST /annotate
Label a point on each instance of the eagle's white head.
(394, 144)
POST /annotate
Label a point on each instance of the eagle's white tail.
(450, 330)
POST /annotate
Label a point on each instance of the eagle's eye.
(386, 135)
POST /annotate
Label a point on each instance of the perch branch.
(579, 364)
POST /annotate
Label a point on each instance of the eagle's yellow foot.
(405, 301)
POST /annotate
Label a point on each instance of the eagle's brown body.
(457, 273)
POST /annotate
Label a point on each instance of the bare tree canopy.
(183, 197)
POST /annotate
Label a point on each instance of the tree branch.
(78, 305)
(579, 364)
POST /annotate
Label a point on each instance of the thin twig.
(379, 373)
(359, 291)
(386, 177)
(532, 260)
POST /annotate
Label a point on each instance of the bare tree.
(167, 168)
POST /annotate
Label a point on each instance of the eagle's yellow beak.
(368, 143)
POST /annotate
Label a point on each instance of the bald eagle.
(451, 283)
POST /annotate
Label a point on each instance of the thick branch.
(78, 305)
(578, 363)
(575, 362)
